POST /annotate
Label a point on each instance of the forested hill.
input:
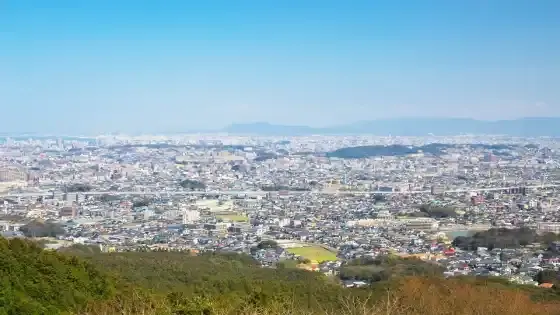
(85, 282)
(402, 150)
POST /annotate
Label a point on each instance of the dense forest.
(86, 282)
(383, 268)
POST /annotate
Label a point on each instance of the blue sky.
(105, 65)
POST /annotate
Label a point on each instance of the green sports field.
(313, 253)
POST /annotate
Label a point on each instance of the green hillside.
(85, 282)
(35, 281)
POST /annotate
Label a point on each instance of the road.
(264, 193)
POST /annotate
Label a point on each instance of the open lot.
(313, 253)
(215, 205)
(233, 217)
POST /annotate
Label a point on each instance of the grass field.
(313, 253)
(233, 217)
(214, 205)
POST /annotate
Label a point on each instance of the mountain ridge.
(525, 127)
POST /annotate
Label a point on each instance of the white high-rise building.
(190, 216)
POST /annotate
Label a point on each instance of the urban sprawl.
(475, 205)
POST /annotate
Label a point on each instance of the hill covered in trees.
(383, 268)
(504, 238)
(401, 150)
(86, 282)
(35, 281)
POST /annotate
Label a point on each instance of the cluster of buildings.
(205, 193)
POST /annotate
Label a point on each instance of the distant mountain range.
(524, 127)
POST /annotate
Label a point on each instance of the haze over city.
(138, 66)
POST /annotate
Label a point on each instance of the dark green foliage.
(108, 197)
(35, 281)
(41, 229)
(263, 156)
(80, 249)
(383, 268)
(192, 184)
(400, 150)
(267, 244)
(78, 188)
(548, 276)
(438, 212)
(236, 280)
(550, 240)
(499, 238)
(287, 264)
(141, 203)
(372, 150)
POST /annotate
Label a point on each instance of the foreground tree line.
(37, 281)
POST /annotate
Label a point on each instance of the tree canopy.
(500, 238)
(192, 184)
(41, 229)
(382, 268)
(86, 282)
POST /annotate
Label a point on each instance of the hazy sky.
(119, 65)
